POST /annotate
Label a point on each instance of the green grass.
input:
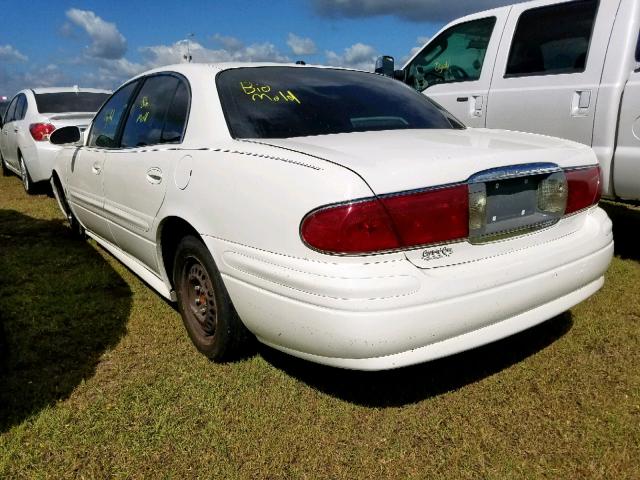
(98, 379)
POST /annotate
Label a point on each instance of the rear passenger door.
(455, 68)
(549, 66)
(136, 175)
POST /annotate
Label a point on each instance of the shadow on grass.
(53, 329)
(413, 384)
(626, 225)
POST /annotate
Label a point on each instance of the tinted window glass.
(4, 104)
(21, 107)
(552, 40)
(105, 126)
(69, 102)
(456, 55)
(146, 117)
(11, 110)
(281, 102)
(177, 115)
(637, 57)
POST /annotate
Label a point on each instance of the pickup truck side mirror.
(398, 75)
(385, 65)
(66, 136)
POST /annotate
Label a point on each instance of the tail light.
(390, 222)
(584, 188)
(439, 215)
(41, 131)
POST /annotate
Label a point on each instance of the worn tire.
(27, 183)
(5, 170)
(58, 192)
(204, 304)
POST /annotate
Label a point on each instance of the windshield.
(283, 102)
(70, 102)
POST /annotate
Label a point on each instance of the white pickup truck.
(568, 69)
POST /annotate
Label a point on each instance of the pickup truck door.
(455, 67)
(547, 73)
(626, 163)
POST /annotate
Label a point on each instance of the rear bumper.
(390, 314)
(39, 158)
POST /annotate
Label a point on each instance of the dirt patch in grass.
(99, 380)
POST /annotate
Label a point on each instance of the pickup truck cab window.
(104, 131)
(552, 40)
(147, 119)
(456, 55)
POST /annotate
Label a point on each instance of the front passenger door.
(454, 68)
(85, 180)
(136, 175)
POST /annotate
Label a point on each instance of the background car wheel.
(205, 306)
(5, 170)
(26, 178)
(76, 228)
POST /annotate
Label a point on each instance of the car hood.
(398, 160)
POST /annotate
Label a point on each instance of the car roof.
(191, 68)
(41, 90)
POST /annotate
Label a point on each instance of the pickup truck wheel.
(206, 309)
(26, 178)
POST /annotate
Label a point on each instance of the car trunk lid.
(507, 166)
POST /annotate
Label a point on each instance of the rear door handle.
(154, 175)
(96, 168)
(16, 129)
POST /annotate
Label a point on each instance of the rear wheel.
(26, 178)
(207, 312)
(5, 170)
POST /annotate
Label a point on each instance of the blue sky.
(101, 44)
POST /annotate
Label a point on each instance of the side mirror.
(398, 75)
(66, 136)
(385, 65)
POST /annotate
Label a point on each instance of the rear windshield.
(70, 102)
(282, 102)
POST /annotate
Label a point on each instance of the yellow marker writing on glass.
(263, 92)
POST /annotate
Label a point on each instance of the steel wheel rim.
(200, 301)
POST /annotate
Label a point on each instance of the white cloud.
(231, 44)
(300, 45)
(420, 42)
(106, 41)
(412, 10)
(9, 53)
(158, 55)
(359, 56)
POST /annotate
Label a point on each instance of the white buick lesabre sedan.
(336, 215)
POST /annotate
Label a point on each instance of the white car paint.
(247, 198)
(16, 140)
(597, 107)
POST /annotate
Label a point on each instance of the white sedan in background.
(31, 117)
(336, 215)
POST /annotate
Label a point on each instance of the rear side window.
(21, 107)
(176, 118)
(552, 40)
(105, 126)
(70, 102)
(456, 55)
(153, 105)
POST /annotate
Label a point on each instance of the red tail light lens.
(432, 216)
(584, 188)
(41, 131)
(399, 221)
(358, 227)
